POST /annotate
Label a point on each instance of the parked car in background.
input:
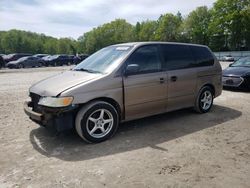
(59, 60)
(124, 82)
(46, 59)
(2, 64)
(71, 59)
(14, 57)
(237, 75)
(24, 62)
(40, 55)
(79, 58)
(228, 58)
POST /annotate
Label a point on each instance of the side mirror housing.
(132, 69)
(230, 65)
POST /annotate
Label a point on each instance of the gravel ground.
(177, 149)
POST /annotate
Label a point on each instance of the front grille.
(232, 81)
(35, 99)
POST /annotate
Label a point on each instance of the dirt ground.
(177, 149)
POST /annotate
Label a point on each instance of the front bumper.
(32, 114)
(61, 119)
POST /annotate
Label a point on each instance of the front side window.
(177, 56)
(147, 58)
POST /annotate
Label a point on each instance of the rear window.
(202, 56)
(177, 56)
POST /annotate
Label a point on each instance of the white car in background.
(228, 58)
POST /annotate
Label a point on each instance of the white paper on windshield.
(122, 48)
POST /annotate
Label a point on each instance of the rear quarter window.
(177, 56)
(202, 55)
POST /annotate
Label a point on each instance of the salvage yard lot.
(177, 149)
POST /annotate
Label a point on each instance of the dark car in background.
(58, 60)
(40, 55)
(24, 62)
(237, 75)
(80, 58)
(2, 64)
(14, 57)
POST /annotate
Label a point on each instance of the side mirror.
(230, 65)
(132, 69)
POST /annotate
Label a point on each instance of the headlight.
(55, 101)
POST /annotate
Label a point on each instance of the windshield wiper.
(240, 66)
(87, 70)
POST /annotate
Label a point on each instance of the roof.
(156, 42)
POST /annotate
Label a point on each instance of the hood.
(55, 85)
(12, 62)
(236, 71)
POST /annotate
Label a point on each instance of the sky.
(72, 18)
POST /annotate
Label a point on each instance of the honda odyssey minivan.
(124, 82)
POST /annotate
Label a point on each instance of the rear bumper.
(60, 119)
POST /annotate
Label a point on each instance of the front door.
(145, 91)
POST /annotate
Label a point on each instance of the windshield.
(23, 58)
(103, 60)
(54, 56)
(243, 62)
(46, 57)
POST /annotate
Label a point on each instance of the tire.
(204, 101)
(40, 64)
(20, 66)
(90, 124)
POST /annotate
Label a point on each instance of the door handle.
(162, 80)
(173, 78)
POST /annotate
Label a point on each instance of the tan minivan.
(125, 82)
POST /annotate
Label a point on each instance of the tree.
(168, 28)
(117, 31)
(147, 31)
(196, 25)
(229, 23)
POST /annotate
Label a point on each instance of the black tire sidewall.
(20, 66)
(84, 119)
(206, 88)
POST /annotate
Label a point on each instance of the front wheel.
(40, 64)
(20, 66)
(204, 100)
(97, 121)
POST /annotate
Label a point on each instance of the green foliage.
(16, 41)
(223, 27)
(195, 26)
(230, 23)
(168, 28)
(117, 31)
(145, 31)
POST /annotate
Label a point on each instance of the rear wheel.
(204, 101)
(20, 66)
(40, 64)
(97, 121)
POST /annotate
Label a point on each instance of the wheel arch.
(209, 85)
(111, 101)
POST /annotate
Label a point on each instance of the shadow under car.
(133, 135)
